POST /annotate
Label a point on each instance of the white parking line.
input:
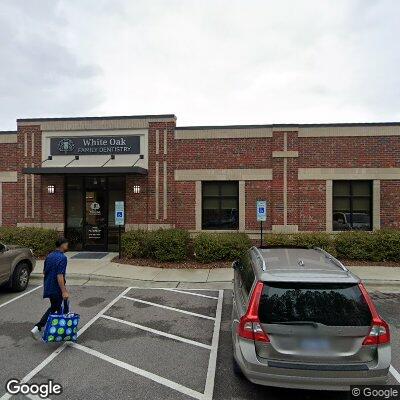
(142, 372)
(193, 294)
(395, 374)
(21, 295)
(56, 352)
(157, 332)
(212, 363)
(169, 308)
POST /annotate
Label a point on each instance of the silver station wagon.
(302, 320)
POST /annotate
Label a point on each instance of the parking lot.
(138, 343)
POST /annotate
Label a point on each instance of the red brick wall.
(305, 199)
(312, 206)
(52, 205)
(349, 152)
(390, 200)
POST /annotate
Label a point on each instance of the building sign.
(261, 211)
(95, 145)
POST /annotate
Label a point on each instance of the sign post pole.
(261, 216)
(119, 221)
(119, 241)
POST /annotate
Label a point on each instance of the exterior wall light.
(136, 189)
(51, 189)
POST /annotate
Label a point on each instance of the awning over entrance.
(84, 170)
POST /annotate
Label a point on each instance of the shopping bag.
(62, 327)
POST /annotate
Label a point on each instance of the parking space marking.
(395, 373)
(21, 295)
(56, 352)
(212, 363)
(157, 332)
(34, 397)
(169, 308)
(142, 372)
(190, 293)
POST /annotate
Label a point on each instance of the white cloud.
(209, 62)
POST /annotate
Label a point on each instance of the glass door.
(89, 211)
(96, 214)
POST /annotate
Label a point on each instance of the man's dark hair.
(60, 241)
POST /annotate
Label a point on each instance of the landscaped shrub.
(382, 245)
(310, 240)
(170, 245)
(209, 247)
(40, 240)
(136, 244)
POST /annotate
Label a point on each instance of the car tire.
(20, 277)
(236, 369)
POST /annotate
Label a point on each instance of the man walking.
(54, 288)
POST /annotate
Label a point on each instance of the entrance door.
(89, 211)
(95, 229)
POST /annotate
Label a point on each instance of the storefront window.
(352, 205)
(220, 205)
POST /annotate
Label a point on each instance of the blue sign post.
(261, 216)
(119, 221)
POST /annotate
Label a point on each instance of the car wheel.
(236, 369)
(20, 278)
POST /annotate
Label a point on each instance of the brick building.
(67, 173)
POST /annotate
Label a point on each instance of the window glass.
(246, 273)
(74, 183)
(352, 205)
(220, 203)
(341, 188)
(361, 188)
(328, 304)
(211, 189)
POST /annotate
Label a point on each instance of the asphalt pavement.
(143, 343)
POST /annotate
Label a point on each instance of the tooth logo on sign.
(66, 145)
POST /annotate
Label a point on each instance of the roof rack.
(260, 257)
(331, 258)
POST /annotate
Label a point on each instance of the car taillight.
(379, 333)
(249, 325)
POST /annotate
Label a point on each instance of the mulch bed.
(190, 264)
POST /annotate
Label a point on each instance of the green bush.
(161, 245)
(209, 247)
(136, 244)
(382, 245)
(170, 245)
(40, 240)
(318, 239)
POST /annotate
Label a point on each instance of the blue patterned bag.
(61, 327)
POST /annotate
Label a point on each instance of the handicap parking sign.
(119, 213)
(261, 210)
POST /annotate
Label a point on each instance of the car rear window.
(329, 304)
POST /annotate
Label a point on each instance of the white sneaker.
(36, 334)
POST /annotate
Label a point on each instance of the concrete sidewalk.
(104, 271)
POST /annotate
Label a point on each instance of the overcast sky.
(208, 62)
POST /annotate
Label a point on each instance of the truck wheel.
(20, 277)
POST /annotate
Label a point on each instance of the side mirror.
(236, 264)
(2, 248)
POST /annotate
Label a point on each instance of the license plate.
(314, 344)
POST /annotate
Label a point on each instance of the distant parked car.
(346, 221)
(301, 319)
(16, 265)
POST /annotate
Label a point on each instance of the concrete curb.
(93, 278)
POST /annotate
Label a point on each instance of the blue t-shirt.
(55, 264)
